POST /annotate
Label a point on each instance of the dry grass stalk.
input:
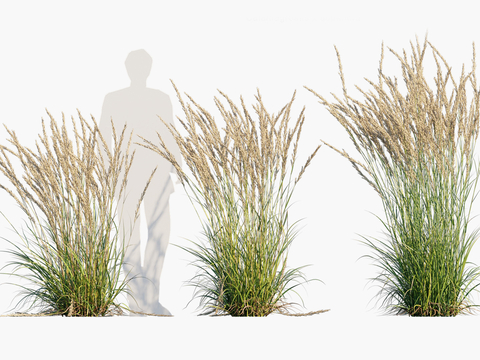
(67, 191)
(246, 154)
(418, 153)
(243, 182)
(396, 128)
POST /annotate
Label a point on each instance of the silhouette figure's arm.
(167, 115)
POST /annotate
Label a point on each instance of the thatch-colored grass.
(70, 253)
(418, 154)
(242, 182)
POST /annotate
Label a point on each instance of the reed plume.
(67, 190)
(241, 177)
(418, 155)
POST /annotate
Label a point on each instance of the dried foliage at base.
(243, 183)
(418, 152)
(70, 249)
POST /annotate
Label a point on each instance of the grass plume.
(243, 183)
(70, 248)
(418, 155)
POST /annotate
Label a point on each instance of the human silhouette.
(140, 108)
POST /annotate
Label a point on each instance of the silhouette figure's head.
(138, 64)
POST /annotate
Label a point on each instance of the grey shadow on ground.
(140, 108)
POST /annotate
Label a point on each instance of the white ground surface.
(328, 336)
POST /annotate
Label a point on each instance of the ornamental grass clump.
(418, 152)
(243, 183)
(70, 254)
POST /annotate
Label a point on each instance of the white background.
(63, 55)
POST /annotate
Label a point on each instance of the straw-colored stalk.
(242, 181)
(67, 188)
(418, 154)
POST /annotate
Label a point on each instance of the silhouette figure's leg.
(157, 213)
(132, 265)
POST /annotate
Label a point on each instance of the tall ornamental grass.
(418, 154)
(241, 184)
(69, 251)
